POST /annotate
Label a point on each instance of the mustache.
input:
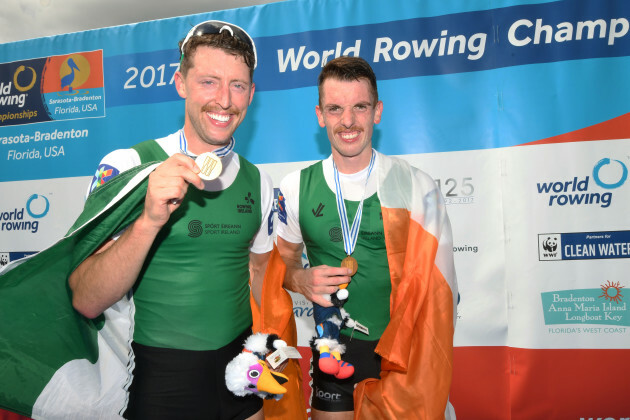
(344, 129)
(219, 110)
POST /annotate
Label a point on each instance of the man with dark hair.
(185, 262)
(379, 225)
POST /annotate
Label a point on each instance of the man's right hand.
(314, 283)
(317, 283)
(167, 187)
(107, 275)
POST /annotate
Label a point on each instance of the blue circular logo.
(37, 215)
(600, 165)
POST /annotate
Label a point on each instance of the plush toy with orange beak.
(248, 372)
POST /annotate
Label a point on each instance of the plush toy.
(248, 372)
(328, 323)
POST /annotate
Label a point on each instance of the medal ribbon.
(220, 152)
(350, 234)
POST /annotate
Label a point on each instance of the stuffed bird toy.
(248, 372)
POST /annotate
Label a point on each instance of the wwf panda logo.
(4, 260)
(550, 244)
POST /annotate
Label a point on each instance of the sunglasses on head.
(216, 27)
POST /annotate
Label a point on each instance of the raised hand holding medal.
(209, 163)
(349, 234)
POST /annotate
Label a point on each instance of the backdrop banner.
(519, 109)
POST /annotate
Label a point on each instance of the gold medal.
(210, 166)
(351, 263)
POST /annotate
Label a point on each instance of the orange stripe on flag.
(276, 317)
(418, 342)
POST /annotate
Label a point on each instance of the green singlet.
(370, 288)
(193, 290)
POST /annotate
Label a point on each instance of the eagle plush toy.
(248, 372)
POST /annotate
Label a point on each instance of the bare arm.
(257, 268)
(314, 282)
(108, 274)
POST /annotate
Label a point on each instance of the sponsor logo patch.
(103, 174)
(584, 245)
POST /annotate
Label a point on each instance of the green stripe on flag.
(39, 329)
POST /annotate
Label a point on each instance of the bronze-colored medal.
(351, 263)
(210, 166)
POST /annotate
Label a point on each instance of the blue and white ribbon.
(350, 234)
(220, 152)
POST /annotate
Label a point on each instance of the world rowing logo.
(616, 170)
(607, 174)
(39, 209)
(24, 78)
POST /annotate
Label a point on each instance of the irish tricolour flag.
(417, 345)
(55, 363)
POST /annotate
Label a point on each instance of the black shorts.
(186, 384)
(331, 394)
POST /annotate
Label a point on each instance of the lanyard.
(220, 152)
(350, 234)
